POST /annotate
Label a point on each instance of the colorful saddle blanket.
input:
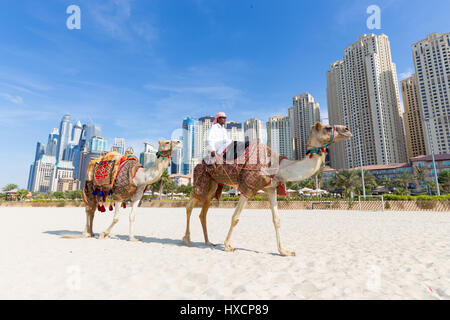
(104, 170)
(253, 170)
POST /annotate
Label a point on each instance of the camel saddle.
(104, 170)
(250, 172)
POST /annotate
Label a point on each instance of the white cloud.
(10, 98)
(406, 74)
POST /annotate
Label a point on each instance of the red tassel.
(110, 207)
(311, 155)
(323, 149)
(99, 208)
(124, 205)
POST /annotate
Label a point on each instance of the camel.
(321, 136)
(134, 190)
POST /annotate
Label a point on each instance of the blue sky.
(137, 68)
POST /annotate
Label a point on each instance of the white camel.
(134, 190)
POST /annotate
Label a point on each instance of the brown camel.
(320, 137)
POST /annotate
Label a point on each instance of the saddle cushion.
(253, 170)
(124, 187)
(103, 170)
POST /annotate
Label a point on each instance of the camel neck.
(300, 169)
(153, 173)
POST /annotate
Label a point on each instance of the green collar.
(322, 149)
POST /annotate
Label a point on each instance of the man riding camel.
(217, 141)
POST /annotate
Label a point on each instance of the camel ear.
(317, 126)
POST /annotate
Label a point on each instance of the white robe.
(217, 139)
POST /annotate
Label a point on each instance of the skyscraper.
(40, 151)
(253, 130)
(234, 131)
(191, 141)
(204, 124)
(65, 135)
(413, 117)
(148, 157)
(362, 93)
(432, 64)
(43, 172)
(52, 143)
(279, 135)
(302, 115)
(97, 144)
(119, 143)
(76, 133)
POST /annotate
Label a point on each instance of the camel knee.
(276, 222)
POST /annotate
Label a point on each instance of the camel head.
(168, 145)
(322, 134)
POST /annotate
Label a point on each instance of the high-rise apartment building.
(204, 123)
(253, 131)
(148, 157)
(43, 172)
(279, 135)
(432, 65)
(191, 144)
(119, 145)
(302, 115)
(52, 143)
(97, 144)
(362, 93)
(234, 131)
(412, 117)
(65, 136)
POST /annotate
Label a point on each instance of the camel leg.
(234, 221)
(205, 207)
(115, 220)
(134, 205)
(276, 222)
(203, 221)
(89, 219)
(191, 205)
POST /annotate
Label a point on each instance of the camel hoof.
(287, 253)
(103, 235)
(133, 239)
(229, 248)
(187, 241)
(210, 244)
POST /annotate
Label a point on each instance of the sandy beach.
(339, 255)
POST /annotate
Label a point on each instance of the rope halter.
(322, 149)
(163, 154)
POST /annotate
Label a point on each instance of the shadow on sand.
(144, 239)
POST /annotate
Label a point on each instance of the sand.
(339, 255)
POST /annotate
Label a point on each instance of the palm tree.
(21, 194)
(420, 176)
(370, 181)
(346, 179)
(404, 179)
(10, 186)
(319, 175)
(165, 178)
(170, 187)
(444, 180)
